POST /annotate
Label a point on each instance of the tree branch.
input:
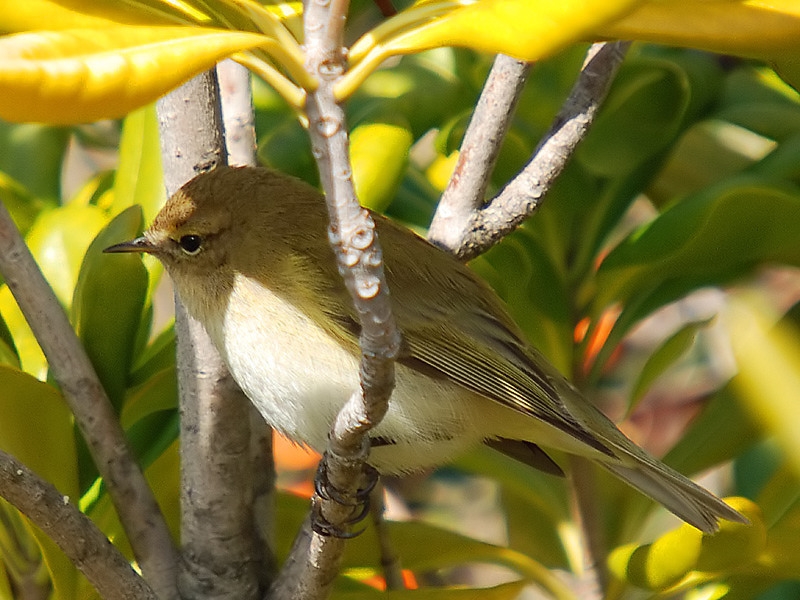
(84, 544)
(240, 140)
(523, 195)
(133, 500)
(479, 151)
(217, 532)
(314, 562)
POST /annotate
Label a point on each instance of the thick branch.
(240, 141)
(479, 151)
(314, 562)
(86, 546)
(523, 195)
(71, 368)
(217, 532)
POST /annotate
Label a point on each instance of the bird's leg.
(326, 491)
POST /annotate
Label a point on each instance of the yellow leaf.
(26, 16)
(768, 358)
(758, 28)
(525, 29)
(80, 75)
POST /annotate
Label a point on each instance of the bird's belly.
(299, 377)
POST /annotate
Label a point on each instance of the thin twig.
(479, 151)
(390, 561)
(137, 509)
(314, 562)
(84, 544)
(523, 195)
(217, 533)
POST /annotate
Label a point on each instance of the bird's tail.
(678, 494)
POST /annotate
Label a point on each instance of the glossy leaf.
(157, 356)
(425, 547)
(159, 393)
(108, 303)
(525, 29)
(706, 239)
(20, 203)
(664, 357)
(640, 118)
(676, 554)
(31, 357)
(163, 476)
(79, 75)
(25, 16)
(744, 27)
(525, 277)
(505, 591)
(32, 155)
(36, 428)
(139, 178)
(8, 348)
(59, 239)
(286, 147)
(379, 157)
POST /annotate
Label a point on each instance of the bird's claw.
(326, 491)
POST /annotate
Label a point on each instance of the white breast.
(299, 377)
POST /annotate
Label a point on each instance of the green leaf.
(139, 179)
(524, 276)
(706, 239)
(163, 476)
(674, 556)
(108, 303)
(640, 118)
(415, 201)
(286, 147)
(59, 239)
(157, 356)
(426, 89)
(159, 393)
(36, 428)
(8, 349)
(425, 547)
(33, 155)
(664, 357)
(536, 506)
(720, 433)
(22, 205)
(506, 591)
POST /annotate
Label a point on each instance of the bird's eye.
(190, 244)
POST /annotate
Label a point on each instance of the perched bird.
(247, 249)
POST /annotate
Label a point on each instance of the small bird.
(248, 252)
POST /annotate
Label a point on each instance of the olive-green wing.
(455, 326)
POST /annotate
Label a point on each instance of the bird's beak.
(140, 244)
